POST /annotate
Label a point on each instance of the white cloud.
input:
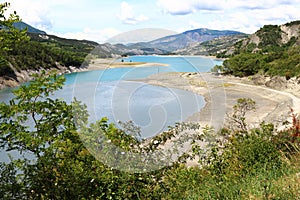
(241, 15)
(99, 36)
(127, 15)
(194, 25)
(179, 7)
(33, 12)
(277, 14)
(259, 4)
(60, 16)
(249, 21)
(39, 13)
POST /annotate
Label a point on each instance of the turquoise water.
(110, 93)
(176, 64)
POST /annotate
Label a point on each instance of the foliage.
(244, 64)
(62, 167)
(270, 35)
(9, 38)
(297, 22)
(20, 50)
(274, 63)
(233, 165)
(271, 55)
(217, 69)
(237, 120)
(11, 187)
(5, 69)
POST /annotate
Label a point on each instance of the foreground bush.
(237, 163)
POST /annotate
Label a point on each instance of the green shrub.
(5, 69)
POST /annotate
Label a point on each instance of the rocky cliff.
(271, 36)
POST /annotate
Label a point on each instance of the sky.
(99, 20)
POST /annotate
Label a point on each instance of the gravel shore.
(222, 92)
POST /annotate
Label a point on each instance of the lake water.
(110, 93)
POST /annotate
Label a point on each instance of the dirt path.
(295, 100)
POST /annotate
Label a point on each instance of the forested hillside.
(24, 48)
(30, 29)
(211, 47)
(272, 50)
(38, 51)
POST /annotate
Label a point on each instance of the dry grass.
(198, 83)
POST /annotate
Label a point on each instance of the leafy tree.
(237, 120)
(35, 123)
(62, 167)
(9, 35)
(9, 38)
(244, 64)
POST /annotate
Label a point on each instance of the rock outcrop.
(26, 75)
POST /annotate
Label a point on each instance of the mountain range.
(169, 44)
(174, 42)
(193, 42)
(49, 51)
(211, 47)
(30, 29)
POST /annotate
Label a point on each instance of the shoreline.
(100, 64)
(218, 91)
(96, 64)
(221, 93)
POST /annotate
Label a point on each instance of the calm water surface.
(110, 93)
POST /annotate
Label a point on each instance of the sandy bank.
(96, 64)
(221, 93)
(99, 64)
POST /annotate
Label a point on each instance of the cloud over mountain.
(128, 16)
(178, 7)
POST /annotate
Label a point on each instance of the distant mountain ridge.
(30, 29)
(211, 47)
(174, 42)
(183, 43)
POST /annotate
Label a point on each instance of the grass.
(198, 83)
(228, 85)
(195, 183)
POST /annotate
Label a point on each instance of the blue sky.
(99, 20)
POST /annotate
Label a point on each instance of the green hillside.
(43, 51)
(39, 53)
(30, 29)
(272, 50)
(211, 47)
